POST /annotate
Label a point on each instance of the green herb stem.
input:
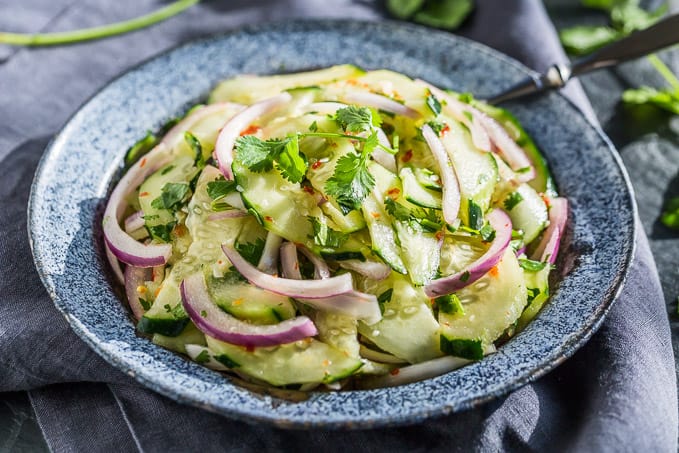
(105, 31)
(666, 72)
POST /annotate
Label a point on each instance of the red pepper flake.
(445, 130)
(144, 194)
(375, 215)
(395, 372)
(268, 218)
(407, 156)
(180, 230)
(493, 271)
(326, 363)
(393, 192)
(238, 302)
(155, 294)
(251, 129)
(142, 163)
(308, 189)
(439, 235)
(250, 348)
(546, 199)
(316, 164)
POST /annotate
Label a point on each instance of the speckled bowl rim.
(352, 409)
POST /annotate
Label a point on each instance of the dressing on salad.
(336, 227)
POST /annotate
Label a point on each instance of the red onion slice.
(230, 214)
(177, 132)
(372, 269)
(502, 224)
(134, 222)
(215, 322)
(268, 262)
(380, 102)
(134, 278)
(456, 110)
(232, 129)
(548, 248)
(353, 303)
(381, 156)
(122, 245)
(321, 270)
(115, 264)
(451, 187)
(310, 289)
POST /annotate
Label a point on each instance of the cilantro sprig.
(324, 236)
(419, 218)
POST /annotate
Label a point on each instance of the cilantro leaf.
(384, 298)
(256, 154)
(351, 181)
(325, 236)
(177, 311)
(403, 9)
(354, 118)
(161, 232)
(475, 215)
(203, 357)
(531, 265)
(434, 104)
(220, 188)
(145, 304)
(397, 210)
(171, 196)
(450, 304)
(487, 233)
(532, 294)
(290, 162)
(251, 251)
(437, 126)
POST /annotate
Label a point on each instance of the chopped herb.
(450, 304)
(251, 251)
(395, 143)
(475, 215)
(291, 163)
(530, 265)
(220, 188)
(523, 170)
(161, 232)
(203, 357)
(468, 115)
(203, 314)
(197, 149)
(177, 311)
(512, 200)
(462, 347)
(467, 98)
(351, 182)
(325, 236)
(151, 217)
(384, 298)
(171, 196)
(354, 119)
(419, 218)
(465, 276)
(313, 127)
(445, 14)
(437, 126)
(487, 233)
(532, 294)
(516, 244)
(434, 104)
(146, 305)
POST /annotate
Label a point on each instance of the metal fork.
(662, 34)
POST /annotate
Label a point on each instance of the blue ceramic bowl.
(77, 171)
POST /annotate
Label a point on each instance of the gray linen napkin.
(617, 394)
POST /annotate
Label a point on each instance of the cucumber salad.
(336, 229)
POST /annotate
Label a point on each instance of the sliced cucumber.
(190, 335)
(415, 193)
(537, 284)
(249, 89)
(248, 302)
(421, 252)
(338, 331)
(476, 171)
(428, 179)
(206, 131)
(491, 304)
(305, 361)
(408, 311)
(528, 211)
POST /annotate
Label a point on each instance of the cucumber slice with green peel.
(476, 171)
(305, 361)
(179, 172)
(250, 89)
(248, 302)
(349, 223)
(428, 179)
(398, 87)
(527, 210)
(384, 240)
(459, 251)
(491, 304)
(537, 284)
(417, 194)
(190, 335)
(420, 251)
(407, 310)
(338, 331)
(543, 181)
